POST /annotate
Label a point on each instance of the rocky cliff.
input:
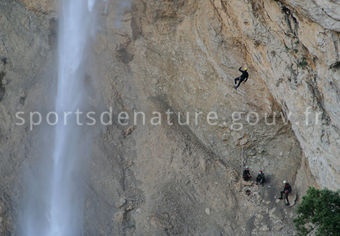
(182, 56)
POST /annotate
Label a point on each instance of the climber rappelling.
(241, 78)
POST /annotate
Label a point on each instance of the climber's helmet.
(284, 181)
(245, 68)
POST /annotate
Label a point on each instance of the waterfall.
(59, 210)
(73, 35)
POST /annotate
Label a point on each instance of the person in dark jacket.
(286, 191)
(260, 178)
(246, 174)
(242, 78)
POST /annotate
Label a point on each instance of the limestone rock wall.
(183, 55)
(291, 49)
(295, 52)
(26, 52)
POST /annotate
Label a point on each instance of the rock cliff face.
(182, 56)
(294, 50)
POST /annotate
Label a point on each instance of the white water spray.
(60, 210)
(65, 218)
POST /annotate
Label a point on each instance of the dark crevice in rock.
(293, 28)
(22, 100)
(4, 60)
(335, 65)
(2, 86)
(317, 97)
(332, 17)
(124, 56)
(52, 36)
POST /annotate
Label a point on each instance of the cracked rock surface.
(183, 56)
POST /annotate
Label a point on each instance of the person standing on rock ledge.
(243, 77)
(286, 190)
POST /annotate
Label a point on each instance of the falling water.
(59, 210)
(73, 35)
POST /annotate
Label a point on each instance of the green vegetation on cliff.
(319, 211)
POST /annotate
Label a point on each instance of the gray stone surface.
(182, 56)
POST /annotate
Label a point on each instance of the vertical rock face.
(296, 53)
(25, 52)
(291, 48)
(26, 45)
(182, 56)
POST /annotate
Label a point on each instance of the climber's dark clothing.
(242, 78)
(239, 80)
(287, 187)
(286, 190)
(260, 178)
(246, 175)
